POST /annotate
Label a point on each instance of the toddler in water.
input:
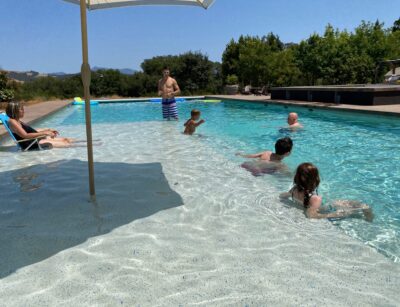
(192, 123)
(306, 182)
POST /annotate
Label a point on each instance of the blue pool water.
(357, 154)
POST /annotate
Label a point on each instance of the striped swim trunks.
(169, 109)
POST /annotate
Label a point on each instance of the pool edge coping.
(316, 105)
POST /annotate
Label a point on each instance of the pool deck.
(392, 110)
(38, 111)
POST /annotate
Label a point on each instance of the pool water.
(178, 222)
(357, 155)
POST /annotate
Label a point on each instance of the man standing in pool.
(168, 88)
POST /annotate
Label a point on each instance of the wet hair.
(283, 146)
(195, 112)
(306, 180)
(13, 109)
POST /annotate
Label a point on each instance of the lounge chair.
(263, 91)
(4, 119)
(247, 90)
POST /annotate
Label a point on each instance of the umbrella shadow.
(44, 209)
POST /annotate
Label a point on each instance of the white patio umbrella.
(85, 70)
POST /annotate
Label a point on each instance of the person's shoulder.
(315, 201)
(12, 121)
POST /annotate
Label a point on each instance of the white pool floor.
(175, 224)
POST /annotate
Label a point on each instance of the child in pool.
(193, 122)
(269, 162)
(306, 182)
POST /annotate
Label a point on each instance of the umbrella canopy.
(85, 69)
(104, 4)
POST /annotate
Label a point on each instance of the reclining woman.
(21, 131)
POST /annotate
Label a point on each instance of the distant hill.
(26, 76)
(61, 75)
(125, 71)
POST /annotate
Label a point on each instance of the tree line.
(195, 72)
(335, 57)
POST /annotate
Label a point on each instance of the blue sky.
(44, 35)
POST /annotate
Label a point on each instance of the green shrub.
(232, 80)
(6, 92)
(6, 95)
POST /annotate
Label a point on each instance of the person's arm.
(17, 129)
(160, 90)
(48, 129)
(199, 123)
(177, 90)
(312, 211)
(285, 195)
(254, 156)
(187, 122)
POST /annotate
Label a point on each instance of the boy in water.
(293, 121)
(268, 161)
(192, 123)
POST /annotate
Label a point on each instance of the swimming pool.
(358, 155)
(223, 237)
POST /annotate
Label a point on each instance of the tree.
(396, 26)
(106, 82)
(308, 57)
(258, 61)
(194, 72)
(230, 60)
(6, 93)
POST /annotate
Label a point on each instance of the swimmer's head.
(306, 180)
(283, 147)
(195, 114)
(292, 118)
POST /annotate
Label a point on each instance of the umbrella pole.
(85, 71)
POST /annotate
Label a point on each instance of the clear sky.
(44, 35)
